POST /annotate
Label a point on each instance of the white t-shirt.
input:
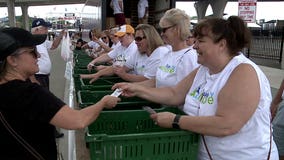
(116, 7)
(253, 140)
(115, 45)
(141, 64)
(93, 44)
(175, 66)
(44, 62)
(141, 6)
(123, 53)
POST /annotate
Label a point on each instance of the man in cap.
(40, 26)
(119, 54)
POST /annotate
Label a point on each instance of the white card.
(117, 92)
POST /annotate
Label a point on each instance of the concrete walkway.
(60, 87)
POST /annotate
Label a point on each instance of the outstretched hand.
(93, 77)
(128, 89)
(110, 101)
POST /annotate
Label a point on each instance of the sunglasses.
(32, 52)
(103, 37)
(138, 39)
(164, 30)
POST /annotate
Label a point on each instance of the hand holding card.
(117, 92)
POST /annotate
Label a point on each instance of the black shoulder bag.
(24, 143)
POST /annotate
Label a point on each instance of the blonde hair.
(154, 40)
(179, 18)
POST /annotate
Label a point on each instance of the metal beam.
(62, 2)
(18, 3)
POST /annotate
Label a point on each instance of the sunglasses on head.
(138, 39)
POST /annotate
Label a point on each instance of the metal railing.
(266, 44)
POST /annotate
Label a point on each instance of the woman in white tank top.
(227, 99)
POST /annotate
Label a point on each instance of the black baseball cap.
(14, 38)
(40, 22)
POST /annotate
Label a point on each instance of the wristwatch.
(176, 121)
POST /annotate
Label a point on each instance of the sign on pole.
(247, 10)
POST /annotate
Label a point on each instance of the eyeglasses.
(163, 30)
(138, 39)
(103, 37)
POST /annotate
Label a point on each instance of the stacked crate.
(126, 132)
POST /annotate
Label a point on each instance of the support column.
(11, 12)
(201, 7)
(25, 16)
(218, 7)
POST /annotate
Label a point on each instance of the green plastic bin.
(86, 98)
(103, 83)
(116, 121)
(83, 71)
(132, 135)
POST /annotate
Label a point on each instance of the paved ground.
(60, 87)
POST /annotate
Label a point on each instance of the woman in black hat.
(27, 106)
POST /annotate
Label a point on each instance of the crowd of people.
(225, 96)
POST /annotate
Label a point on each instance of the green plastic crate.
(82, 63)
(103, 83)
(106, 79)
(92, 87)
(79, 82)
(171, 145)
(115, 121)
(86, 98)
(132, 135)
(99, 81)
(83, 71)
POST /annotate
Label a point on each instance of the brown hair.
(233, 30)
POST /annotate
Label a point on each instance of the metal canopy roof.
(3, 3)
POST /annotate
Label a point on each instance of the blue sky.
(263, 10)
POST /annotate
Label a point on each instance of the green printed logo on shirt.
(140, 68)
(202, 96)
(168, 69)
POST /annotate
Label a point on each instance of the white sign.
(247, 10)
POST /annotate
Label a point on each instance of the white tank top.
(252, 142)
